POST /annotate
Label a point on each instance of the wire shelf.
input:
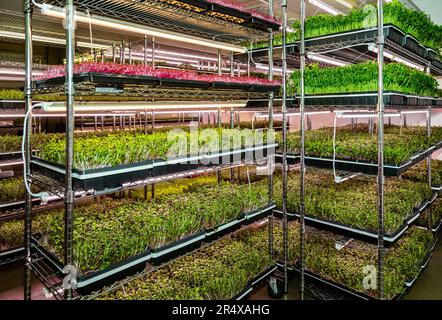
(167, 17)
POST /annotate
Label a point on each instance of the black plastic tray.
(11, 255)
(177, 248)
(12, 105)
(98, 279)
(254, 283)
(359, 233)
(349, 294)
(117, 81)
(114, 177)
(17, 205)
(437, 102)
(7, 156)
(364, 37)
(362, 166)
(250, 21)
(391, 98)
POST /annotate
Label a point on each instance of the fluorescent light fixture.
(341, 115)
(266, 67)
(138, 56)
(393, 57)
(125, 26)
(18, 72)
(21, 36)
(92, 45)
(331, 61)
(415, 112)
(278, 115)
(116, 106)
(345, 3)
(325, 7)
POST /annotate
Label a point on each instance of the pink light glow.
(162, 73)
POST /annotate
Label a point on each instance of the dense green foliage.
(223, 269)
(402, 262)
(436, 214)
(419, 172)
(358, 144)
(110, 231)
(363, 77)
(11, 189)
(410, 21)
(112, 149)
(354, 202)
(218, 271)
(11, 94)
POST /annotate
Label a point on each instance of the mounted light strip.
(345, 3)
(325, 7)
(116, 106)
(394, 57)
(21, 36)
(277, 115)
(331, 61)
(341, 115)
(125, 26)
(139, 56)
(415, 112)
(18, 72)
(266, 67)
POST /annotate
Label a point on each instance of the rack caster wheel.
(275, 288)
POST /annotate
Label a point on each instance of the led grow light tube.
(109, 106)
(325, 7)
(44, 39)
(138, 56)
(321, 58)
(414, 112)
(264, 67)
(17, 72)
(394, 57)
(340, 115)
(125, 26)
(345, 3)
(294, 114)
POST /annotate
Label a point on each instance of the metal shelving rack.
(381, 43)
(299, 55)
(37, 260)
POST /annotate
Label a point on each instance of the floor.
(427, 287)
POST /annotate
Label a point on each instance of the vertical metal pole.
(249, 58)
(152, 186)
(309, 122)
(153, 52)
(122, 53)
(430, 182)
(271, 157)
(145, 50)
(70, 118)
(130, 52)
(232, 65)
(218, 172)
(102, 55)
(232, 125)
(27, 5)
(302, 160)
(284, 138)
(381, 41)
(114, 53)
(219, 62)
